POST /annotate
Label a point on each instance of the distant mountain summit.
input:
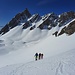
(47, 21)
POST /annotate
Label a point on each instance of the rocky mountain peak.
(26, 12)
(19, 18)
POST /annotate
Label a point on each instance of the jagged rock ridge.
(47, 21)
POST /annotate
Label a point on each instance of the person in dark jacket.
(39, 56)
(36, 56)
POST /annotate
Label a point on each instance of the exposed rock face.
(70, 29)
(27, 24)
(32, 27)
(67, 16)
(20, 17)
(35, 18)
(4, 29)
(48, 20)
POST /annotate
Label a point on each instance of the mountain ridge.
(47, 21)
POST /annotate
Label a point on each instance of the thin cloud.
(43, 2)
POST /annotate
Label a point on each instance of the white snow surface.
(62, 64)
(18, 46)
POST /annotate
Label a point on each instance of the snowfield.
(62, 64)
(18, 46)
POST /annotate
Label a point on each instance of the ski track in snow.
(59, 70)
(56, 65)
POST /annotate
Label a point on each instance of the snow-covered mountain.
(47, 21)
(27, 34)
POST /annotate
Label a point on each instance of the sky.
(9, 8)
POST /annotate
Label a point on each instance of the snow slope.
(23, 51)
(62, 64)
(18, 47)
